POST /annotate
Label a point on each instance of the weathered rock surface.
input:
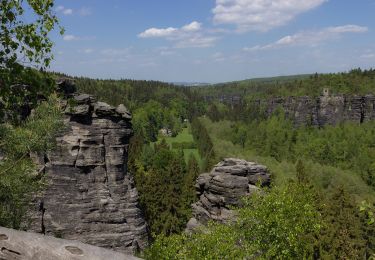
(18, 245)
(326, 109)
(228, 182)
(90, 196)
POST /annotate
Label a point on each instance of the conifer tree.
(342, 237)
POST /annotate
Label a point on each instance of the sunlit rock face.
(16, 245)
(90, 196)
(325, 109)
(224, 187)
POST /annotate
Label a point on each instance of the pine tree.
(342, 236)
(188, 191)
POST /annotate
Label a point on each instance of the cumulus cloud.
(310, 38)
(192, 27)
(63, 10)
(84, 11)
(155, 32)
(190, 35)
(70, 37)
(260, 15)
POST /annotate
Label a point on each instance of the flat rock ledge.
(19, 245)
(224, 187)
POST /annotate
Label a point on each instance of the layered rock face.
(316, 111)
(90, 196)
(225, 186)
(324, 110)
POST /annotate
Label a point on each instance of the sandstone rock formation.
(224, 186)
(90, 196)
(18, 245)
(324, 110)
(315, 111)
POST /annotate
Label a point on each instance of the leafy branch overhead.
(23, 42)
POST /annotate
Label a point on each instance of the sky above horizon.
(212, 40)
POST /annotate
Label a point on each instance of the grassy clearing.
(183, 137)
(326, 177)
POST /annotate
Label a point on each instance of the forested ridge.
(321, 167)
(318, 168)
(320, 204)
(353, 82)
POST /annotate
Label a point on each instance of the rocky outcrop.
(90, 196)
(225, 186)
(326, 109)
(18, 245)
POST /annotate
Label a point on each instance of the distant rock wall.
(323, 110)
(316, 111)
(225, 186)
(90, 196)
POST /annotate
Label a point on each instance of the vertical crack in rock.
(106, 181)
(88, 197)
(42, 209)
(363, 105)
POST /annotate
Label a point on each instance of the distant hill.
(354, 82)
(280, 79)
(191, 84)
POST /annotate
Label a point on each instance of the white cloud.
(260, 15)
(192, 27)
(70, 37)
(67, 11)
(63, 10)
(188, 36)
(310, 38)
(84, 11)
(155, 32)
(60, 8)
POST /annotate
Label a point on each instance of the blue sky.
(212, 40)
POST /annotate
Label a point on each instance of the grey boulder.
(19, 245)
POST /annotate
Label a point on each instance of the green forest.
(320, 204)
